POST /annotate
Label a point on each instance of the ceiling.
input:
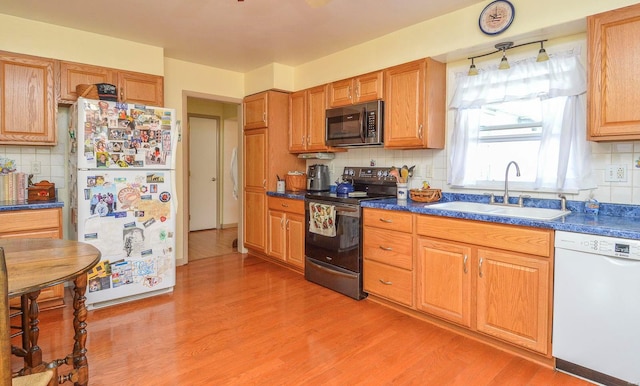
(238, 35)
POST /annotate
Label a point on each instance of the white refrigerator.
(123, 197)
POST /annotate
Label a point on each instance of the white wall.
(230, 207)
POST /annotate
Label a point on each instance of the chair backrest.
(5, 331)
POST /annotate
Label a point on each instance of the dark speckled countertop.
(615, 220)
(6, 206)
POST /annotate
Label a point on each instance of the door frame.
(219, 163)
(184, 138)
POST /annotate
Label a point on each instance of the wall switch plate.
(428, 171)
(35, 167)
(615, 173)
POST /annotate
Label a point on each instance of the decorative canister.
(402, 193)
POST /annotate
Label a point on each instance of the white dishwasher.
(596, 309)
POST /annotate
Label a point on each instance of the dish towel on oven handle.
(322, 219)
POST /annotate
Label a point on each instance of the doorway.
(203, 172)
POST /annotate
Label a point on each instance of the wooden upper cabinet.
(415, 110)
(612, 95)
(133, 87)
(256, 108)
(360, 89)
(73, 74)
(145, 89)
(27, 100)
(307, 112)
(298, 122)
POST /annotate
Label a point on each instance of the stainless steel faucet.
(506, 181)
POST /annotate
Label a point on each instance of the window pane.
(511, 113)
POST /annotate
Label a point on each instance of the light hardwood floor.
(212, 242)
(238, 320)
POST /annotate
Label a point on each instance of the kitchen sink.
(500, 210)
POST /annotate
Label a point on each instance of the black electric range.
(333, 250)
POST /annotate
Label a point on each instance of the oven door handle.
(329, 270)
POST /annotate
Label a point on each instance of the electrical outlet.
(35, 167)
(616, 173)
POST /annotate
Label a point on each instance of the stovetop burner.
(370, 183)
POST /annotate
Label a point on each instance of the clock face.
(496, 17)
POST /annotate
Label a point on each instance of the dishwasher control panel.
(601, 245)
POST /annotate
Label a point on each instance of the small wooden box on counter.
(41, 191)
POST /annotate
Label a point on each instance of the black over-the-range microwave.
(356, 125)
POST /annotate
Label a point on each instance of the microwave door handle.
(363, 123)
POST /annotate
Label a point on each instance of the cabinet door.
(27, 101)
(298, 122)
(295, 239)
(255, 153)
(404, 98)
(145, 89)
(276, 234)
(73, 74)
(444, 280)
(255, 220)
(316, 115)
(513, 298)
(255, 111)
(613, 97)
(369, 87)
(341, 93)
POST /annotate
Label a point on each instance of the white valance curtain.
(560, 83)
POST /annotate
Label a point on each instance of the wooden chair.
(38, 379)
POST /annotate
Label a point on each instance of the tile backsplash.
(52, 159)
(431, 165)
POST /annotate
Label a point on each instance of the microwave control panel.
(371, 124)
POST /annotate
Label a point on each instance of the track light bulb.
(473, 70)
(504, 63)
(542, 54)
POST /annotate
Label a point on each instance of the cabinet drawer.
(29, 220)
(513, 238)
(286, 205)
(389, 282)
(389, 247)
(387, 219)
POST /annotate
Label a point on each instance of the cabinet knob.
(420, 131)
(464, 263)
(480, 267)
(284, 205)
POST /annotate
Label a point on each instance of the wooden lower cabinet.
(444, 280)
(492, 281)
(35, 223)
(513, 298)
(255, 228)
(286, 230)
(388, 255)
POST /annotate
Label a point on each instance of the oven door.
(343, 249)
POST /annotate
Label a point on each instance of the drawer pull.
(388, 221)
(464, 263)
(480, 267)
(284, 205)
(386, 282)
(386, 248)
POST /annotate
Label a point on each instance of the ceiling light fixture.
(504, 63)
